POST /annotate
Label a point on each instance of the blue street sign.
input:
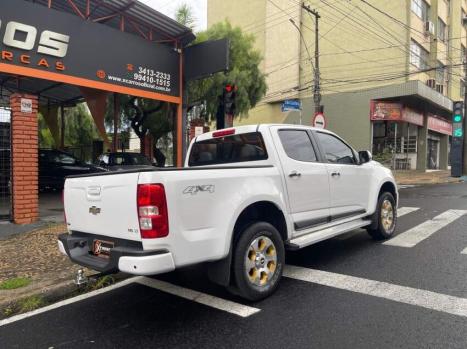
(291, 104)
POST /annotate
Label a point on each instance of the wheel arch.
(261, 210)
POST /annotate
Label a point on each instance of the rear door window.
(223, 150)
(297, 145)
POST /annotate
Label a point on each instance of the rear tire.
(258, 261)
(384, 219)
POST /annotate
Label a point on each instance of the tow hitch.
(80, 278)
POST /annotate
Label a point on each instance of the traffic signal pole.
(464, 148)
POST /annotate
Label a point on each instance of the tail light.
(152, 211)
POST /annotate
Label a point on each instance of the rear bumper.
(126, 256)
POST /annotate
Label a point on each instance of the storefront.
(398, 132)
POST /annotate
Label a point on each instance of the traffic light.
(457, 144)
(457, 120)
(230, 94)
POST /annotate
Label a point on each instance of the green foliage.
(45, 136)
(184, 15)
(101, 282)
(79, 126)
(31, 303)
(14, 283)
(244, 71)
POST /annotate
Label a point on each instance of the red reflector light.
(222, 133)
(152, 211)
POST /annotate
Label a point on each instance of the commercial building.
(389, 70)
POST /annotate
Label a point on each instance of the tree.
(184, 15)
(45, 136)
(244, 72)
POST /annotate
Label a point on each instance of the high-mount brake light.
(223, 133)
(152, 211)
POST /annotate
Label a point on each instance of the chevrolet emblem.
(94, 210)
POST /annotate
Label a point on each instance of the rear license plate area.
(101, 248)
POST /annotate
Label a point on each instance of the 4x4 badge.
(194, 189)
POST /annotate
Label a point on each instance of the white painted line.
(464, 251)
(402, 294)
(68, 301)
(199, 297)
(423, 231)
(402, 211)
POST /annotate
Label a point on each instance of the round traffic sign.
(319, 121)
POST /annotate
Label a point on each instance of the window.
(337, 152)
(440, 72)
(463, 15)
(229, 149)
(420, 8)
(418, 55)
(442, 30)
(297, 145)
(462, 87)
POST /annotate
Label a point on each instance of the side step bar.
(317, 236)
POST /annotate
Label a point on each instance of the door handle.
(294, 174)
(335, 174)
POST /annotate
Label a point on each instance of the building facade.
(389, 70)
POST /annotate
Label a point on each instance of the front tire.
(385, 218)
(258, 261)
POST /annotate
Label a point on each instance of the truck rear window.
(224, 150)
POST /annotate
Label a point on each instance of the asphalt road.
(396, 297)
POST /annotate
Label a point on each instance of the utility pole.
(316, 87)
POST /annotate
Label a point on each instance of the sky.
(168, 7)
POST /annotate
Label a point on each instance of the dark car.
(124, 161)
(55, 165)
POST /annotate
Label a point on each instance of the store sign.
(439, 125)
(44, 43)
(388, 111)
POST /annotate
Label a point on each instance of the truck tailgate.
(103, 205)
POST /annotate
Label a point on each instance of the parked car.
(122, 161)
(246, 195)
(55, 165)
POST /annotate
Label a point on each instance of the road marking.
(402, 294)
(423, 231)
(199, 297)
(464, 251)
(68, 301)
(402, 211)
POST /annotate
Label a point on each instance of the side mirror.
(365, 156)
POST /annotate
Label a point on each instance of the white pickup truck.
(245, 195)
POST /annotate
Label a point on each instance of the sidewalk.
(35, 255)
(420, 178)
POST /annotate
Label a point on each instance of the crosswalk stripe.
(402, 294)
(402, 211)
(199, 297)
(424, 230)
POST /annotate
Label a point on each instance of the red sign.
(385, 111)
(439, 125)
(389, 111)
(411, 116)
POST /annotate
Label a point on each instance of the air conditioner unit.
(431, 83)
(440, 88)
(429, 28)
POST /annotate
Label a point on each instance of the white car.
(245, 195)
